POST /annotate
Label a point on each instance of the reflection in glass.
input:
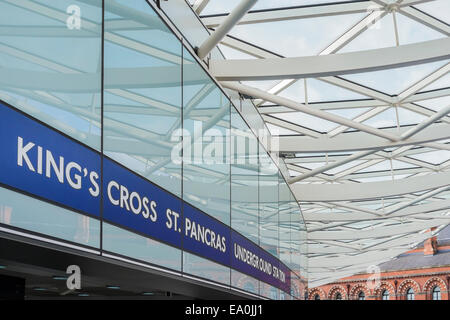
(160, 107)
(244, 179)
(142, 98)
(297, 287)
(205, 269)
(268, 204)
(27, 213)
(268, 291)
(129, 244)
(206, 124)
(244, 282)
(51, 63)
(285, 212)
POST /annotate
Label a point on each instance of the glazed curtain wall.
(156, 97)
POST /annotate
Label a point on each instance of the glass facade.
(142, 93)
(113, 76)
(53, 72)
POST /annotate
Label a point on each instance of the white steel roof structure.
(356, 96)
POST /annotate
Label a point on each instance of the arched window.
(338, 296)
(361, 295)
(385, 295)
(410, 294)
(317, 297)
(436, 293)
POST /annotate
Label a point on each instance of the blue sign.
(43, 162)
(205, 236)
(135, 203)
(250, 259)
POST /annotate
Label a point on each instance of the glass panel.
(284, 296)
(438, 9)
(206, 122)
(410, 31)
(206, 269)
(285, 212)
(141, 248)
(268, 291)
(186, 21)
(268, 214)
(322, 91)
(24, 212)
(410, 294)
(307, 121)
(394, 81)
(437, 293)
(295, 251)
(433, 157)
(220, 6)
(436, 104)
(244, 282)
(142, 111)
(442, 82)
(283, 37)
(51, 69)
(298, 242)
(379, 34)
(279, 131)
(244, 178)
(268, 204)
(296, 288)
(384, 119)
(51, 63)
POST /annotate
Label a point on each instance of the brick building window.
(361, 296)
(410, 294)
(436, 293)
(385, 295)
(317, 297)
(338, 296)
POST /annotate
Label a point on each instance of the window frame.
(410, 295)
(434, 291)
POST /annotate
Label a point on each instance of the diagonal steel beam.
(355, 156)
(229, 22)
(426, 19)
(297, 106)
(416, 129)
(199, 5)
(436, 75)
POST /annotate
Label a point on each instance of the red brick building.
(419, 274)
